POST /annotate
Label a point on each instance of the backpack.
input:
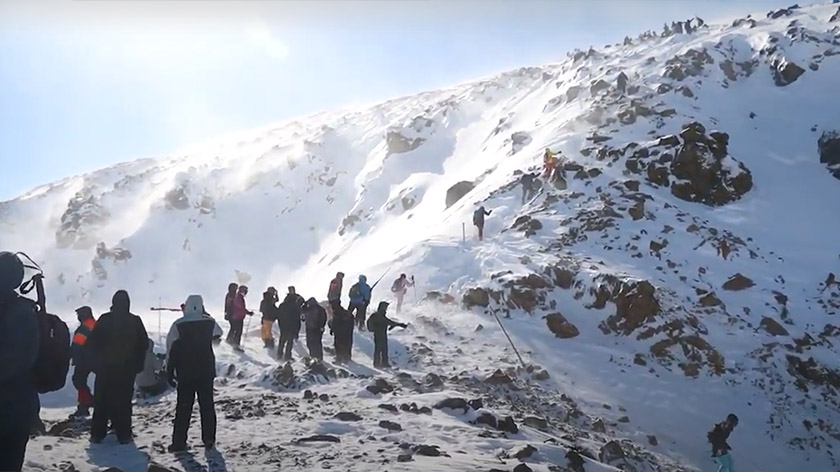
(355, 292)
(396, 286)
(50, 370)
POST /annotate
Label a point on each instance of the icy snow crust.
(363, 192)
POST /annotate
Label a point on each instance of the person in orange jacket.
(82, 366)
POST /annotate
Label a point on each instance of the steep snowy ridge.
(681, 268)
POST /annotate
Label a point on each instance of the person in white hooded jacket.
(191, 368)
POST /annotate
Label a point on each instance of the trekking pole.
(160, 323)
(493, 311)
(464, 232)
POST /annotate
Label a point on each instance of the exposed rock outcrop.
(829, 148)
(560, 326)
(457, 192)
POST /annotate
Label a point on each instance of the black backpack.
(50, 371)
(355, 292)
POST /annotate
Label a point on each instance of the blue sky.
(87, 84)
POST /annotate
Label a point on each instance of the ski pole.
(493, 311)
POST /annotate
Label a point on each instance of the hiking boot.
(177, 448)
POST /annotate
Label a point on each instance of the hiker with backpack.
(359, 301)
(117, 350)
(18, 355)
(528, 186)
(550, 162)
(269, 311)
(289, 315)
(341, 326)
(400, 287)
(237, 317)
(336, 286)
(82, 365)
(229, 297)
(718, 436)
(191, 368)
(379, 324)
(478, 221)
(315, 318)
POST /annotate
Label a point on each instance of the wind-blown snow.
(363, 192)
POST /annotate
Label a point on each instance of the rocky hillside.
(682, 266)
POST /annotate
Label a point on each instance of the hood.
(311, 302)
(121, 302)
(362, 279)
(383, 307)
(194, 306)
(11, 272)
(84, 312)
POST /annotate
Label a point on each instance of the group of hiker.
(295, 313)
(117, 349)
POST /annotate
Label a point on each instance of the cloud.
(260, 35)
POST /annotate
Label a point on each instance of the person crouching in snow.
(191, 368)
(400, 287)
(268, 309)
(151, 381)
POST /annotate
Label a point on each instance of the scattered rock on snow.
(319, 438)
(829, 148)
(428, 451)
(536, 423)
(786, 72)
(386, 406)
(453, 404)
(404, 458)
(773, 327)
(598, 426)
(522, 468)
(380, 386)
(610, 452)
(390, 425)
(738, 282)
(155, 467)
(476, 297)
(397, 143)
(347, 416)
(560, 326)
(498, 378)
(652, 440)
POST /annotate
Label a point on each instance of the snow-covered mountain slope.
(682, 268)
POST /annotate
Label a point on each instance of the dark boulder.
(786, 73)
(737, 283)
(829, 148)
(560, 326)
(390, 425)
(457, 192)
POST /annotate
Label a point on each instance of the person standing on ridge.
(342, 328)
(718, 436)
(478, 221)
(82, 366)
(269, 311)
(400, 287)
(316, 319)
(336, 286)
(18, 351)
(379, 324)
(359, 300)
(289, 314)
(116, 349)
(191, 369)
(230, 296)
(237, 317)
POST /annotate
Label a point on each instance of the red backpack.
(50, 371)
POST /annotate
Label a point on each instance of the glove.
(250, 313)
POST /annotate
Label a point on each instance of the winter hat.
(232, 287)
(194, 306)
(84, 312)
(340, 275)
(11, 272)
(243, 289)
(120, 301)
(383, 306)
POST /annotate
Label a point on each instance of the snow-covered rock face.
(680, 264)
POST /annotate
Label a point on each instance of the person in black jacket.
(315, 318)
(379, 324)
(719, 436)
(289, 314)
(342, 328)
(116, 349)
(269, 311)
(19, 404)
(191, 368)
